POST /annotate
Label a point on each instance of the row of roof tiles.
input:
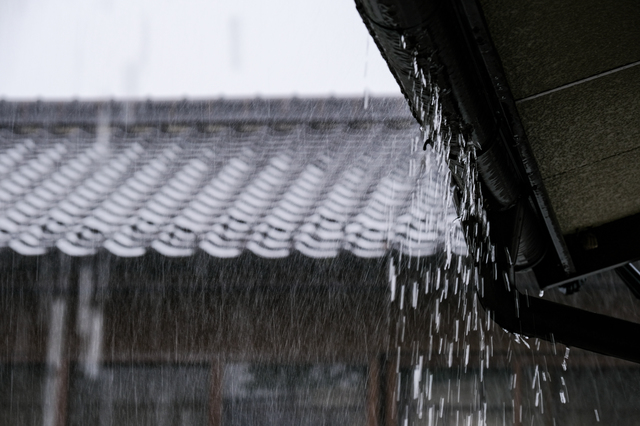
(318, 193)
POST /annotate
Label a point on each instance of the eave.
(452, 40)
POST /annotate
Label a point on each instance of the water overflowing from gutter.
(454, 379)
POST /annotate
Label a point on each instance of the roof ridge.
(257, 110)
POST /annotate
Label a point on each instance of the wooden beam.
(374, 397)
(215, 392)
(391, 391)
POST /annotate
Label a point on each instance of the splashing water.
(463, 371)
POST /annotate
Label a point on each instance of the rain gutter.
(450, 40)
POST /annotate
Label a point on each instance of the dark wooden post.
(373, 392)
(57, 363)
(215, 393)
(391, 394)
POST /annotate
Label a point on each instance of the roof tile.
(318, 186)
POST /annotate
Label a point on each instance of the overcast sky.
(190, 48)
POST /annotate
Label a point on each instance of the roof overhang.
(452, 40)
(556, 122)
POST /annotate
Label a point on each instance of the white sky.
(189, 48)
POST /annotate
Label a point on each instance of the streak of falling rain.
(365, 76)
(235, 43)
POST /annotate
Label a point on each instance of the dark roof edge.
(204, 111)
(451, 41)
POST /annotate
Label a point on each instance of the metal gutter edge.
(518, 139)
(450, 39)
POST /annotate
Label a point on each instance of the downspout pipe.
(447, 37)
(554, 322)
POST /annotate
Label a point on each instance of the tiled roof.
(264, 178)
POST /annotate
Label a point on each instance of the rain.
(269, 261)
